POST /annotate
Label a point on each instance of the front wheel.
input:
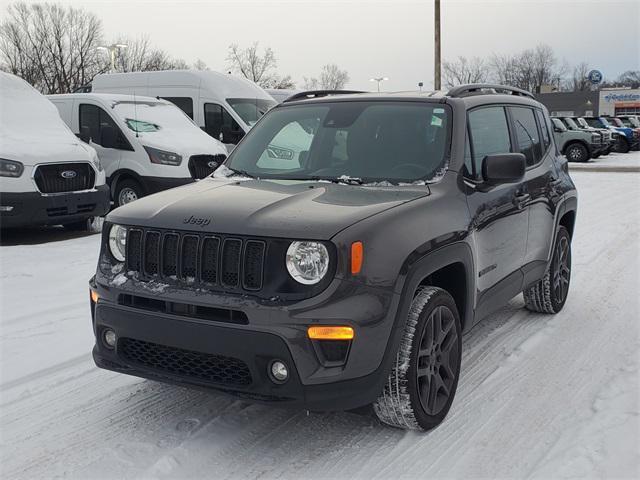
(127, 191)
(623, 145)
(549, 294)
(425, 371)
(576, 152)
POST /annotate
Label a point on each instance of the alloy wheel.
(127, 195)
(561, 270)
(437, 360)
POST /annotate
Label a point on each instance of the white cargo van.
(146, 145)
(47, 175)
(223, 105)
(281, 94)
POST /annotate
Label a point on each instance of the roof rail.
(318, 94)
(479, 89)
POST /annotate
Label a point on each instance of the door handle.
(521, 199)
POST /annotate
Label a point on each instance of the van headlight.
(307, 262)
(10, 168)
(162, 157)
(118, 242)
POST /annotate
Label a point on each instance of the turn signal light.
(94, 296)
(357, 255)
(330, 333)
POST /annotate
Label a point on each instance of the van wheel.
(424, 377)
(576, 152)
(550, 294)
(127, 191)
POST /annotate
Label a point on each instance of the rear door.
(499, 220)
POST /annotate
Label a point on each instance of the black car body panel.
(482, 244)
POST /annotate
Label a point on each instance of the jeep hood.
(270, 208)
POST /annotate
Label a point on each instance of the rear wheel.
(622, 145)
(550, 294)
(127, 191)
(425, 372)
(576, 152)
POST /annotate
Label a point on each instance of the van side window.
(527, 134)
(218, 121)
(489, 133)
(183, 103)
(95, 118)
(544, 128)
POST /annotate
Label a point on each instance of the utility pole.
(436, 55)
(112, 50)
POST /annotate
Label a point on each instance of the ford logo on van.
(69, 174)
(212, 164)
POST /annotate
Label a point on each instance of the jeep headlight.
(307, 262)
(118, 242)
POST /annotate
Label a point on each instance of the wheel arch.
(124, 174)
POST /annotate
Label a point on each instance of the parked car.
(607, 139)
(630, 121)
(627, 140)
(225, 106)
(577, 145)
(619, 123)
(146, 145)
(347, 277)
(617, 142)
(47, 176)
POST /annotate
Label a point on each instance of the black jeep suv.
(340, 252)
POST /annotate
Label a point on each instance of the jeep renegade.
(337, 256)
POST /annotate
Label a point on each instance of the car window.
(526, 130)
(183, 103)
(95, 118)
(544, 128)
(489, 134)
(220, 124)
(372, 142)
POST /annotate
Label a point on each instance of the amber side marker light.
(94, 296)
(330, 333)
(357, 256)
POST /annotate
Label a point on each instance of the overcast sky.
(379, 38)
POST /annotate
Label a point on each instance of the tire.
(127, 191)
(576, 152)
(623, 145)
(549, 294)
(420, 398)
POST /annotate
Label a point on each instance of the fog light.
(109, 338)
(279, 371)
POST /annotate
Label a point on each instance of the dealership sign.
(621, 97)
(595, 76)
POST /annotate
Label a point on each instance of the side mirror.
(503, 168)
(229, 135)
(108, 136)
(85, 134)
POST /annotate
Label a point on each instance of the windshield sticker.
(436, 121)
(438, 110)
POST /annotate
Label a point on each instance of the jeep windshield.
(251, 109)
(348, 142)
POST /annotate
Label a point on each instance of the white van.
(223, 105)
(146, 145)
(47, 176)
(281, 94)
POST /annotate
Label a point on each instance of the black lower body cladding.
(35, 209)
(198, 347)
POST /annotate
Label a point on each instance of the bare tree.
(464, 70)
(529, 69)
(630, 78)
(52, 47)
(331, 78)
(200, 64)
(258, 67)
(579, 81)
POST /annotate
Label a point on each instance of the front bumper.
(271, 333)
(35, 209)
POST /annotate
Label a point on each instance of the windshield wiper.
(244, 173)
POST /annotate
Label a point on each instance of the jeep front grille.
(201, 166)
(227, 262)
(217, 369)
(64, 177)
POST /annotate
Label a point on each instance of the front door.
(499, 217)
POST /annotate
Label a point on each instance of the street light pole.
(436, 56)
(378, 79)
(112, 49)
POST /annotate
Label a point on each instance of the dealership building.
(606, 101)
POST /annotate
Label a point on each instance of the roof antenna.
(135, 113)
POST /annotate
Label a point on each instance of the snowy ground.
(540, 396)
(614, 162)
